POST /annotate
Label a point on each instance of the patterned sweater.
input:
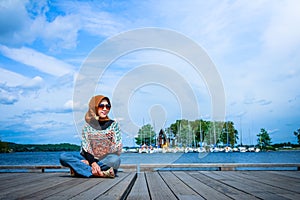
(100, 143)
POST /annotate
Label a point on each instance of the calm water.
(52, 158)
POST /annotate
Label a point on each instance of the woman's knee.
(64, 158)
(112, 161)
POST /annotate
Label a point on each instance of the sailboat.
(201, 149)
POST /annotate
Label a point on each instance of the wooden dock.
(151, 184)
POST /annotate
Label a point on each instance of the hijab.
(92, 117)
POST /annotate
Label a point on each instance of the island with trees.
(202, 135)
(8, 147)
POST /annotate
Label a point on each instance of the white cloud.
(13, 21)
(14, 85)
(8, 97)
(252, 100)
(37, 60)
(282, 33)
(94, 19)
(34, 83)
(60, 33)
(31, 23)
(11, 78)
(68, 104)
(100, 23)
(71, 105)
(12, 94)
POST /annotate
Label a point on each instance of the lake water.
(52, 158)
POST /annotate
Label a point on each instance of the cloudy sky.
(46, 46)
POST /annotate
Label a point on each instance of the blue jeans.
(83, 170)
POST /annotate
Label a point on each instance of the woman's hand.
(96, 170)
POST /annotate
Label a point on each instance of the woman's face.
(103, 108)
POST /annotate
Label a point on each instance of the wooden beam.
(159, 166)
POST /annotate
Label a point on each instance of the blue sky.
(254, 45)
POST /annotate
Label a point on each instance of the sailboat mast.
(200, 134)
(241, 131)
(226, 125)
(215, 136)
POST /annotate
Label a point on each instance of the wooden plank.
(157, 187)
(201, 188)
(103, 185)
(119, 191)
(257, 189)
(81, 186)
(275, 180)
(86, 184)
(32, 168)
(219, 166)
(9, 175)
(151, 167)
(139, 189)
(179, 188)
(18, 184)
(275, 186)
(216, 183)
(27, 185)
(128, 167)
(90, 184)
(8, 178)
(45, 187)
(42, 168)
(295, 175)
(58, 190)
(235, 183)
(154, 185)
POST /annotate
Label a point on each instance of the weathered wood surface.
(155, 167)
(218, 166)
(154, 185)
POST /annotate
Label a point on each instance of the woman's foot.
(72, 172)
(108, 173)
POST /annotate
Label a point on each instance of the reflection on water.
(51, 158)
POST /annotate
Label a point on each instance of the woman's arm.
(89, 157)
(85, 146)
(118, 137)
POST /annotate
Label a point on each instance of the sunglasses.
(107, 106)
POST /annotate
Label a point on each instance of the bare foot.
(107, 174)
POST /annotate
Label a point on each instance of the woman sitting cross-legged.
(101, 144)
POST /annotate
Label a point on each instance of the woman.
(101, 144)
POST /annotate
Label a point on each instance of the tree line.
(185, 133)
(6, 147)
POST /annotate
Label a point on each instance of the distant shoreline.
(9, 147)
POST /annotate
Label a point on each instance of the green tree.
(205, 133)
(297, 134)
(213, 132)
(179, 129)
(4, 148)
(229, 134)
(263, 139)
(146, 135)
(190, 133)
